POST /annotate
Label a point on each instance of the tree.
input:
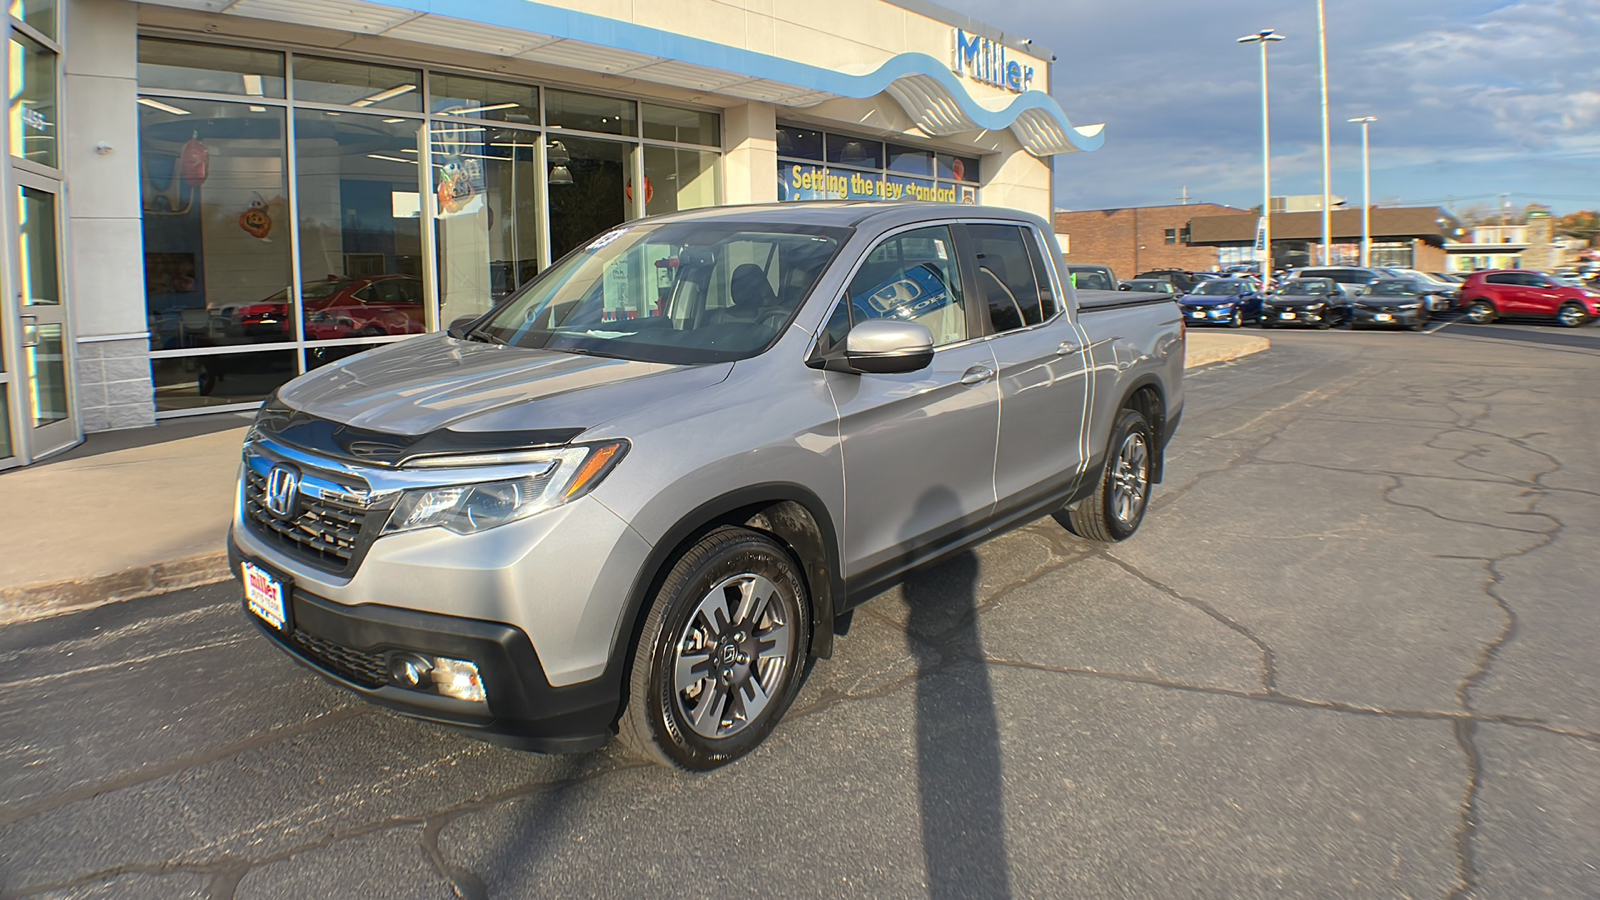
(1583, 224)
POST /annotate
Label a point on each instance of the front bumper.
(351, 646)
(1405, 318)
(1208, 315)
(1299, 316)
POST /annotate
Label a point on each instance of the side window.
(1041, 277)
(1005, 275)
(1501, 279)
(912, 277)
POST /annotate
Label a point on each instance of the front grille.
(366, 669)
(320, 532)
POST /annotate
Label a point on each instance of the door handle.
(1066, 347)
(26, 328)
(977, 375)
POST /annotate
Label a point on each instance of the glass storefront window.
(219, 379)
(685, 126)
(587, 112)
(910, 160)
(360, 206)
(5, 424)
(678, 179)
(34, 127)
(182, 66)
(853, 151)
(38, 14)
(799, 143)
(39, 279)
(45, 368)
(486, 215)
(357, 84)
(475, 98)
(958, 168)
(588, 190)
(214, 191)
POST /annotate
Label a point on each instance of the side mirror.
(885, 346)
(459, 326)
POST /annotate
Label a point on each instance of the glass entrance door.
(40, 374)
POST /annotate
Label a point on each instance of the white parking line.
(1440, 327)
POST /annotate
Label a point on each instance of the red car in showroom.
(1517, 292)
(340, 308)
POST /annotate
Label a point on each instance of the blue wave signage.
(984, 60)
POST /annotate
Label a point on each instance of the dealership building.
(206, 197)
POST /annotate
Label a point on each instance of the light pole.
(1263, 38)
(1327, 172)
(1366, 190)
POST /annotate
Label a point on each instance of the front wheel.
(1481, 312)
(1116, 508)
(1571, 315)
(1238, 319)
(721, 653)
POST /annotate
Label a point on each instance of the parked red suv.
(1514, 292)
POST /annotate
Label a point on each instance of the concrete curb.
(1234, 347)
(39, 601)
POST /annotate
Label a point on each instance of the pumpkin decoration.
(256, 221)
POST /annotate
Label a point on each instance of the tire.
(1481, 312)
(1238, 319)
(1264, 322)
(1116, 508)
(1571, 315)
(688, 633)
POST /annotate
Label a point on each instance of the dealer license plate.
(1383, 317)
(1285, 315)
(264, 595)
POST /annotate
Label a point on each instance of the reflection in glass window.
(476, 98)
(38, 282)
(184, 66)
(853, 151)
(799, 143)
(360, 225)
(35, 129)
(218, 379)
(486, 212)
(1005, 275)
(587, 112)
(912, 277)
(5, 426)
(678, 179)
(45, 365)
(213, 188)
(588, 189)
(357, 84)
(910, 160)
(958, 168)
(685, 126)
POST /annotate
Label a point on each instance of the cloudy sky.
(1474, 98)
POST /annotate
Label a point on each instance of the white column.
(750, 157)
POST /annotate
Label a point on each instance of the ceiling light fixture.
(381, 96)
(157, 104)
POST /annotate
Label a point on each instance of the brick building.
(1138, 239)
(1409, 237)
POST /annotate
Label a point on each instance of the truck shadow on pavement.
(959, 781)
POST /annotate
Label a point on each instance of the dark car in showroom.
(1391, 303)
(1515, 292)
(1226, 301)
(1305, 301)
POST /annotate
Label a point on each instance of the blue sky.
(1474, 98)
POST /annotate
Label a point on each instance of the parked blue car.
(1226, 301)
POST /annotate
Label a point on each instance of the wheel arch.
(1145, 395)
(789, 513)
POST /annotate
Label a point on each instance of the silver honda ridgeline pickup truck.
(634, 497)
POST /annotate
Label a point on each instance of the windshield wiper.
(484, 336)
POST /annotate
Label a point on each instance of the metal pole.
(1266, 179)
(1327, 171)
(1366, 187)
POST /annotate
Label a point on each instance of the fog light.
(410, 670)
(458, 678)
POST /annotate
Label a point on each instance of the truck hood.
(435, 382)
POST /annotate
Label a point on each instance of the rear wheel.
(721, 653)
(1116, 508)
(1571, 315)
(1481, 312)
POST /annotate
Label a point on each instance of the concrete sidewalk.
(133, 513)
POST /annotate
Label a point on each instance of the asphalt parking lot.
(1350, 654)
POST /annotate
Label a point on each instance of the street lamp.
(1327, 172)
(1366, 188)
(1263, 38)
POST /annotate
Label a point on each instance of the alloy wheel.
(1130, 479)
(732, 656)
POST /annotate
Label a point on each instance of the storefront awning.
(931, 94)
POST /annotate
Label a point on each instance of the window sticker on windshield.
(606, 238)
(938, 250)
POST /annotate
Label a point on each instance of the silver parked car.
(635, 496)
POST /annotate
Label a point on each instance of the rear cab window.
(1012, 280)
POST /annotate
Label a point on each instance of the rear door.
(1543, 295)
(918, 447)
(1043, 375)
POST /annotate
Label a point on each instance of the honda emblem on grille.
(283, 484)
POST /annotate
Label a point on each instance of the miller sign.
(984, 60)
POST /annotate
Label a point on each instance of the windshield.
(1218, 289)
(1304, 289)
(1150, 286)
(1392, 289)
(1344, 276)
(680, 292)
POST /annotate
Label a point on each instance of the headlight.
(550, 478)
